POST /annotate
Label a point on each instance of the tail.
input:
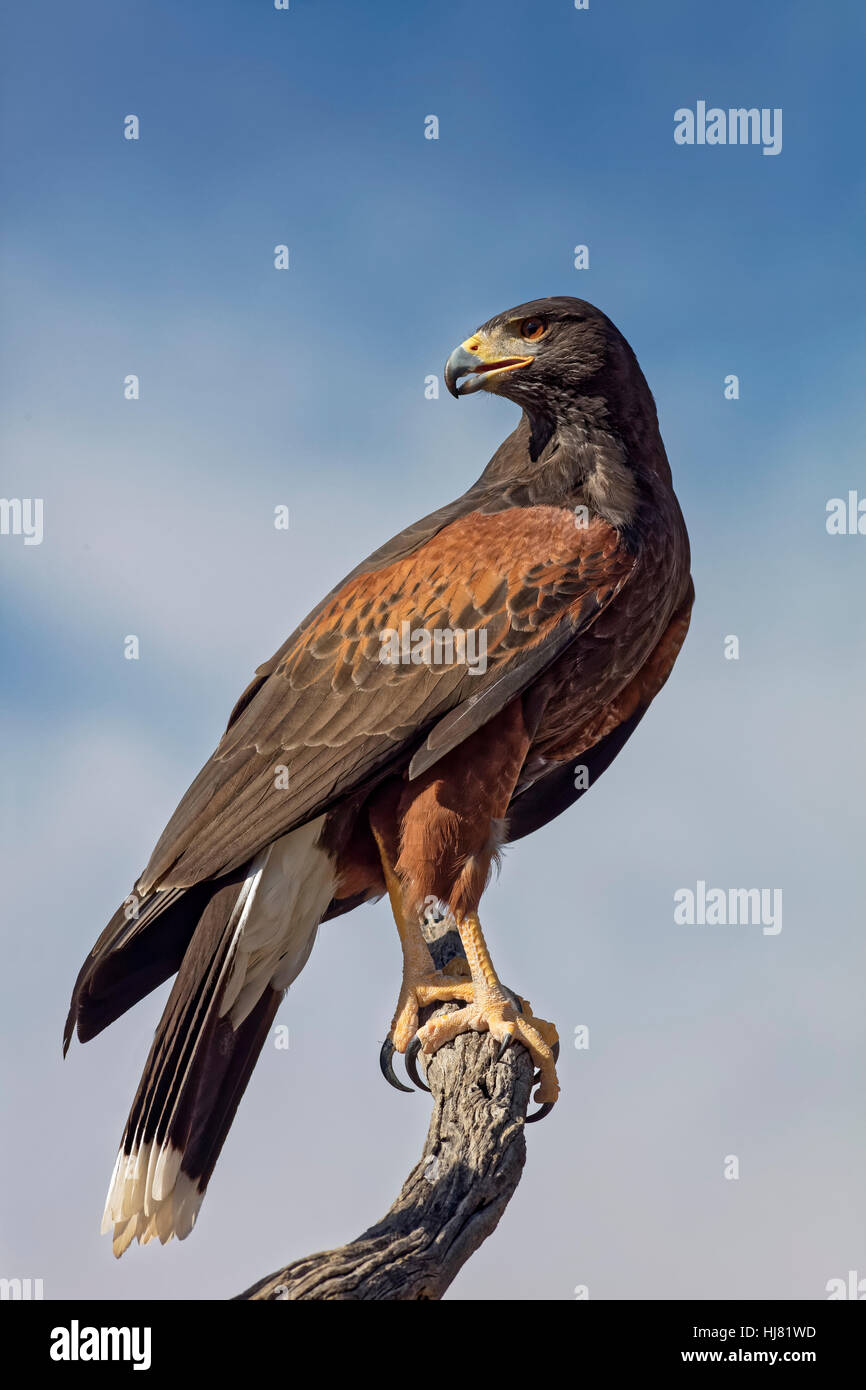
(253, 937)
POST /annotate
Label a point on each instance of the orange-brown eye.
(533, 328)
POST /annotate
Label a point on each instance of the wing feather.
(337, 716)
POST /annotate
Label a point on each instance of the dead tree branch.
(453, 1198)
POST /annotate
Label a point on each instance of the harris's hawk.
(353, 765)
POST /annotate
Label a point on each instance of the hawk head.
(546, 356)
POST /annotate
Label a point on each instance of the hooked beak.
(476, 361)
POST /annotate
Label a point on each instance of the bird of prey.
(348, 771)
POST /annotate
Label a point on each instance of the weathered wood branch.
(453, 1198)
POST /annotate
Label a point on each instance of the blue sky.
(306, 387)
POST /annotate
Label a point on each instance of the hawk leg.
(422, 983)
(437, 836)
(495, 1010)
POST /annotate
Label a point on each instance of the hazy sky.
(305, 387)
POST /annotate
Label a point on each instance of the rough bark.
(453, 1198)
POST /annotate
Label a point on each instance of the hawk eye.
(533, 328)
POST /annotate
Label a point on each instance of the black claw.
(386, 1067)
(546, 1108)
(412, 1065)
(503, 1047)
(543, 1110)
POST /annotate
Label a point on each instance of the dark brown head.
(590, 432)
(562, 361)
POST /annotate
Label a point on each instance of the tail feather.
(142, 946)
(159, 1185)
(251, 940)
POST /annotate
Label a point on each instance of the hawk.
(353, 766)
